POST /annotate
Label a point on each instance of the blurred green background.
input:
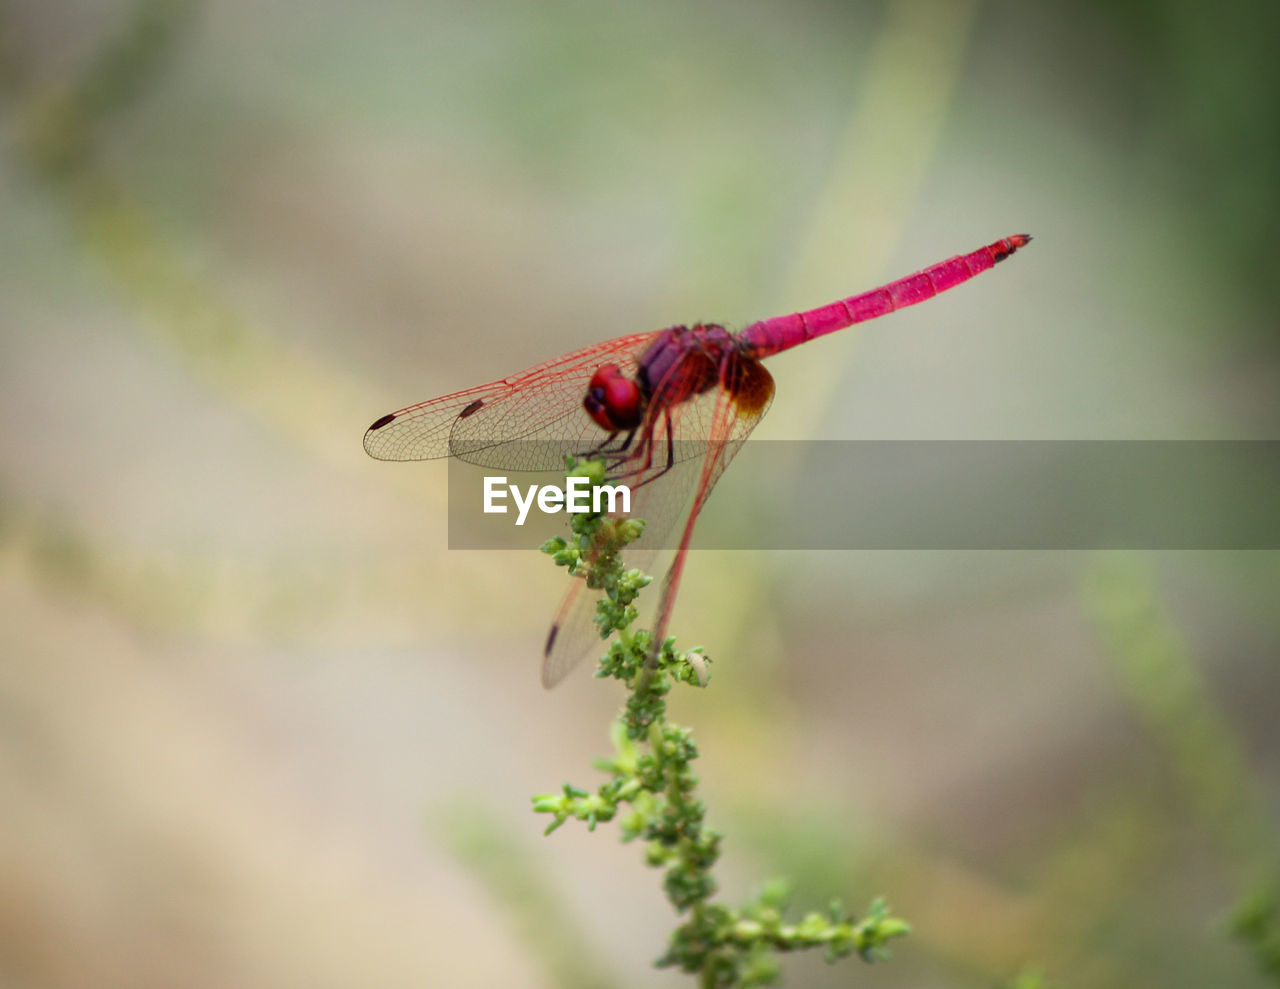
(258, 727)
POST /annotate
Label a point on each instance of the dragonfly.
(666, 410)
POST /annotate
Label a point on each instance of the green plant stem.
(653, 791)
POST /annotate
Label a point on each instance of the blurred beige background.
(258, 727)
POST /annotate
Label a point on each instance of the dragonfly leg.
(611, 455)
(624, 442)
(608, 450)
(671, 452)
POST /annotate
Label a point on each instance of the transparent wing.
(516, 423)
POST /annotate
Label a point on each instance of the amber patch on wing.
(751, 386)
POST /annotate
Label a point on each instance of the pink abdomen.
(782, 332)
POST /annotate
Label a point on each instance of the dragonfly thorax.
(613, 400)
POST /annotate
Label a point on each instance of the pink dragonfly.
(667, 410)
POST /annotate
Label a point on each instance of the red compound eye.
(613, 400)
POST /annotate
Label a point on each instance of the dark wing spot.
(551, 640)
(473, 407)
(382, 422)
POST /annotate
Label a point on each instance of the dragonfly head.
(613, 400)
